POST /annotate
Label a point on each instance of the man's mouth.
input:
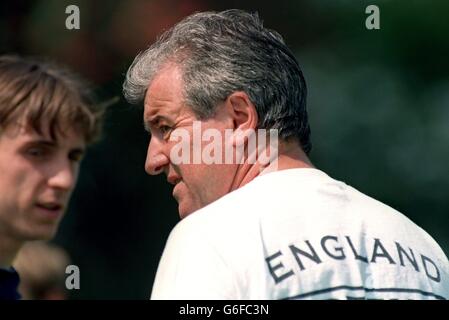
(53, 209)
(175, 188)
(50, 206)
(173, 180)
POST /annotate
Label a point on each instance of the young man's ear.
(242, 111)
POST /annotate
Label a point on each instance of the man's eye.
(76, 156)
(36, 152)
(164, 129)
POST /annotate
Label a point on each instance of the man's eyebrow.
(44, 142)
(153, 120)
(78, 150)
(53, 144)
(146, 124)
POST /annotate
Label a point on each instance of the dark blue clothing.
(9, 281)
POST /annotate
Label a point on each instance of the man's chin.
(182, 213)
(185, 210)
(43, 233)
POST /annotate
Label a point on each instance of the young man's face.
(37, 177)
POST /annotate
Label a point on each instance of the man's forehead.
(155, 111)
(164, 98)
(166, 85)
(158, 105)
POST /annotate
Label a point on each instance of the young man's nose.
(64, 177)
(156, 160)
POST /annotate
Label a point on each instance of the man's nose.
(156, 159)
(64, 177)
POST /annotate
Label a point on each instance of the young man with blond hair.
(47, 118)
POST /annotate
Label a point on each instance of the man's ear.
(242, 111)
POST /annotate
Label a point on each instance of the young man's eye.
(36, 152)
(76, 156)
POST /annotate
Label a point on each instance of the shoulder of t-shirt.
(392, 221)
(237, 210)
(233, 213)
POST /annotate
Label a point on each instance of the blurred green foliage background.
(378, 104)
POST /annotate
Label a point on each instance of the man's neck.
(8, 250)
(290, 156)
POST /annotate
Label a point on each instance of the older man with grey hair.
(220, 91)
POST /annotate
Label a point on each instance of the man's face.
(37, 176)
(196, 185)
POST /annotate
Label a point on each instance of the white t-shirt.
(299, 234)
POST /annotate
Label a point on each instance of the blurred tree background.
(378, 103)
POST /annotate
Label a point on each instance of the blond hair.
(40, 92)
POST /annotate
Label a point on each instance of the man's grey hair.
(223, 52)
